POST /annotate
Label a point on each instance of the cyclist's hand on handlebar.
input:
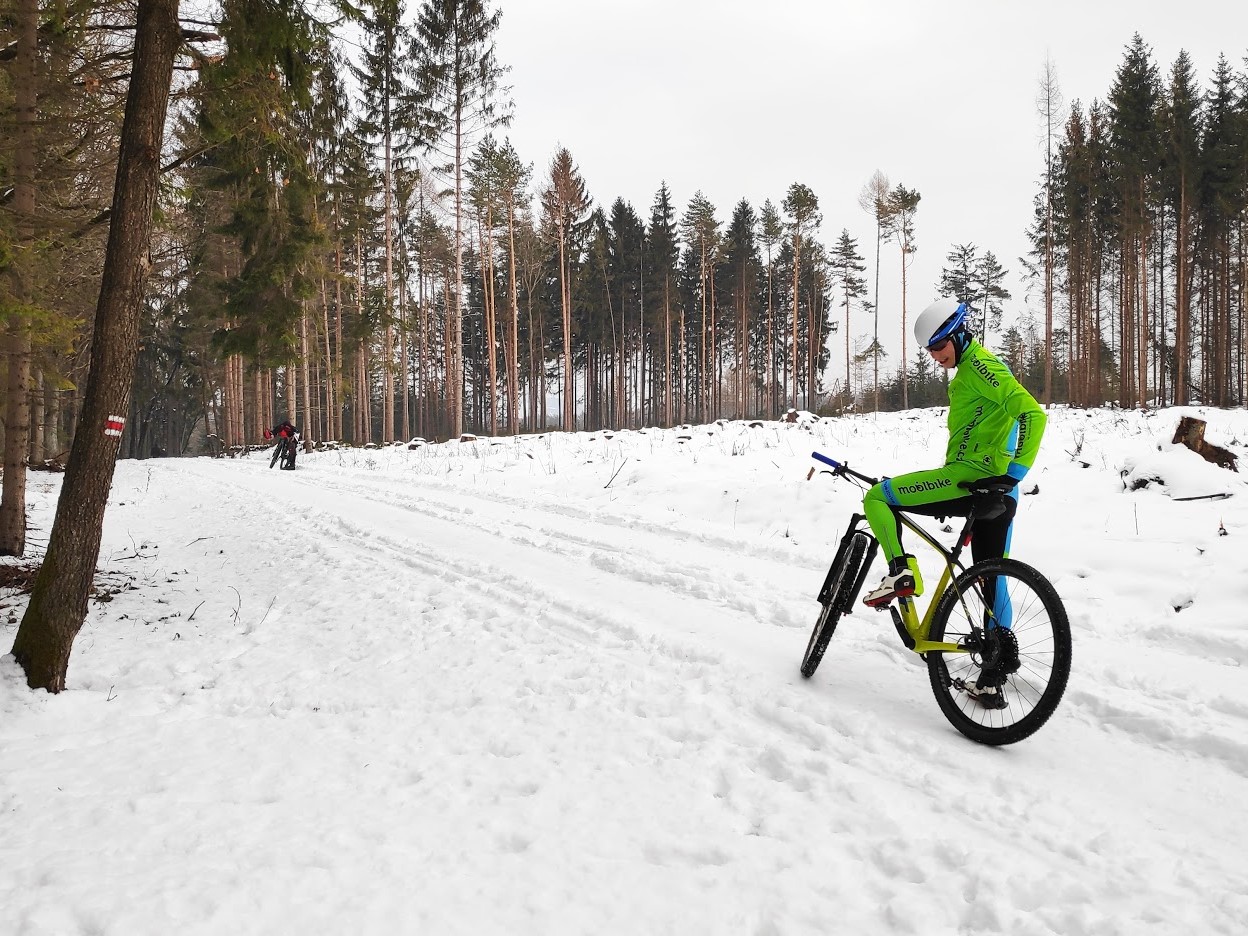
(996, 484)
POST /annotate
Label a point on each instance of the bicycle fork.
(851, 595)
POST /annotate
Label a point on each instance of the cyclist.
(286, 434)
(995, 427)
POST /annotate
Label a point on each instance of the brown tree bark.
(58, 603)
(1191, 433)
(17, 339)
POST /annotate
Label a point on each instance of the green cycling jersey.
(985, 400)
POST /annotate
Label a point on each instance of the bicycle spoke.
(991, 594)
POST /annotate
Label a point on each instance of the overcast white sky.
(740, 99)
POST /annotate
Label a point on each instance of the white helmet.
(939, 320)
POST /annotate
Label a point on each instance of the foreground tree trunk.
(17, 340)
(58, 603)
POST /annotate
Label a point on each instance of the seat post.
(964, 538)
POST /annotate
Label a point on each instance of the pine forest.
(343, 235)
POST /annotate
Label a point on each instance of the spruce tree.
(990, 293)
(388, 116)
(1181, 165)
(512, 177)
(847, 268)
(770, 234)
(460, 99)
(874, 200)
(58, 601)
(63, 82)
(624, 267)
(17, 259)
(802, 207)
(662, 256)
(1049, 104)
(1222, 201)
(742, 269)
(902, 205)
(699, 229)
(957, 281)
(1135, 158)
(565, 203)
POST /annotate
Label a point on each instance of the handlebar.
(840, 468)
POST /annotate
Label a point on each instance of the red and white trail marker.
(114, 425)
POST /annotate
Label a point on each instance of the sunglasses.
(940, 345)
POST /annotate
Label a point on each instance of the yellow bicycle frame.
(906, 614)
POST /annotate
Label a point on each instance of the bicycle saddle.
(989, 497)
(979, 488)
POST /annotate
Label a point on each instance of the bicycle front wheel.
(1017, 638)
(277, 453)
(841, 594)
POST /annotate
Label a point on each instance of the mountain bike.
(284, 451)
(999, 622)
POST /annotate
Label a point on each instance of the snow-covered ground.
(550, 685)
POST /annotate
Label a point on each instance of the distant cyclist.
(288, 436)
(995, 427)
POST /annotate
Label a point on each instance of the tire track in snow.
(538, 525)
(789, 765)
(1148, 720)
(610, 545)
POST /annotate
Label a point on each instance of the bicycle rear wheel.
(1030, 666)
(841, 594)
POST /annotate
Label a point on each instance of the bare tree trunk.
(669, 411)
(448, 354)
(52, 424)
(513, 350)
(771, 351)
(17, 340)
(455, 362)
(1142, 349)
(797, 263)
(239, 429)
(292, 396)
(485, 229)
(58, 603)
(37, 454)
(337, 367)
(261, 406)
(228, 393)
(309, 426)
(387, 364)
(328, 421)
(405, 352)
(569, 415)
(905, 383)
(683, 367)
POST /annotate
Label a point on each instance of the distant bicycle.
(284, 451)
(1000, 622)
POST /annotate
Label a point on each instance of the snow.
(550, 685)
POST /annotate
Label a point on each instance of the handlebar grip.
(817, 456)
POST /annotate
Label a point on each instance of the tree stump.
(1191, 433)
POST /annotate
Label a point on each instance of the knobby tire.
(831, 611)
(1042, 630)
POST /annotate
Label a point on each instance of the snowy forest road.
(486, 707)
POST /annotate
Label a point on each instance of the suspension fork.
(825, 592)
